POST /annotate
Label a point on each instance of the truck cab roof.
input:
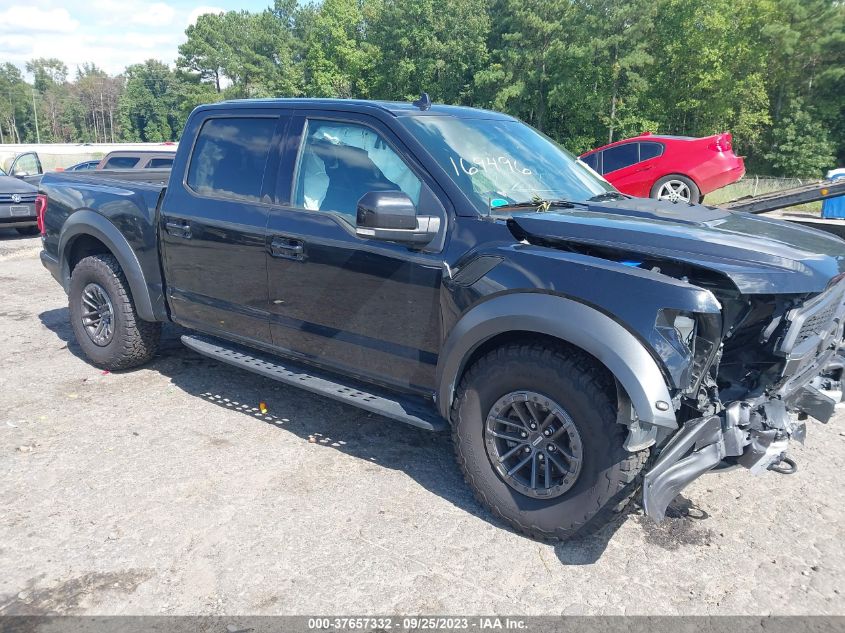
(395, 108)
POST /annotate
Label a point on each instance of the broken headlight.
(687, 343)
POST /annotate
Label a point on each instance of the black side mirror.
(391, 216)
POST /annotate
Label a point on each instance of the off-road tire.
(134, 341)
(609, 474)
(27, 230)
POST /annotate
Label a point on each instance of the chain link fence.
(756, 185)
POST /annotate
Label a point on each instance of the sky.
(110, 33)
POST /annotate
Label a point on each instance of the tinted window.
(229, 157)
(592, 160)
(650, 150)
(121, 162)
(619, 157)
(340, 162)
(160, 163)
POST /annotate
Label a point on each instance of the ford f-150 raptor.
(451, 267)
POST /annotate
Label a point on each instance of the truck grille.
(25, 198)
(817, 323)
(814, 329)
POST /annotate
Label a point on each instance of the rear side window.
(121, 162)
(650, 150)
(618, 157)
(160, 163)
(592, 160)
(229, 157)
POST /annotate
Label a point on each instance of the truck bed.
(118, 211)
(154, 177)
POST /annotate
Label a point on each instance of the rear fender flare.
(86, 222)
(581, 325)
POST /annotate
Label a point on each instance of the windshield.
(499, 163)
(2, 173)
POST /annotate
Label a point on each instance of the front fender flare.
(581, 325)
(86, 222)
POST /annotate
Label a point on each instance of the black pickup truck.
(453, 268)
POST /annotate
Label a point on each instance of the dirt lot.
(164, 490)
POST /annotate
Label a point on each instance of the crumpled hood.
(758, 254)
(10, 184)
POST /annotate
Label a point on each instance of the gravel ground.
(165, 491)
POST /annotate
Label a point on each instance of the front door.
(213, 227)
(365, 307)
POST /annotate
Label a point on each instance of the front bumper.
(755, 432)
(755, 439)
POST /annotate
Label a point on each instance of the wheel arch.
(86, 233)
(530, 314)
(652, 191)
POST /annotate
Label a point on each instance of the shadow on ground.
(425, 456)
(8, 235)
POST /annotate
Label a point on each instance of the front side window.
(121, 162)
(497, 162)
(618, 157)
(340, 162)
(229, 157)
(592, 160)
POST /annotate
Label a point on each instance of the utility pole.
(35, 112)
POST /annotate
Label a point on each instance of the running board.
(407, 410)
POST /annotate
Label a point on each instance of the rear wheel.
(103, 316)
(676, 188)
(536, 435)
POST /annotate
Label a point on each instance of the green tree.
(47, 73)
(149, 106)
(206, 50)
(526, 50)
(248, 54)
(799, 145)
(339, 59)
(434, 46)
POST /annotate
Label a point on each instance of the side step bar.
(412, 412)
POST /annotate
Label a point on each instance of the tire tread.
(592, 379)
(138, 339)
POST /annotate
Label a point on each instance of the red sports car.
(675, 168)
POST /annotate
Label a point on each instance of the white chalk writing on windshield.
(487, 164)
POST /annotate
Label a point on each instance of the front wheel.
(103, 316)
(536, 435)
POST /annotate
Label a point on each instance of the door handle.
(287, 248)
(643, 169)
(178, 228)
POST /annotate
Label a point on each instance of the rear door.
(213, 224)
(368, 308)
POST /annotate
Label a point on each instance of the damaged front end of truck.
(750, 392)
(745, 376)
